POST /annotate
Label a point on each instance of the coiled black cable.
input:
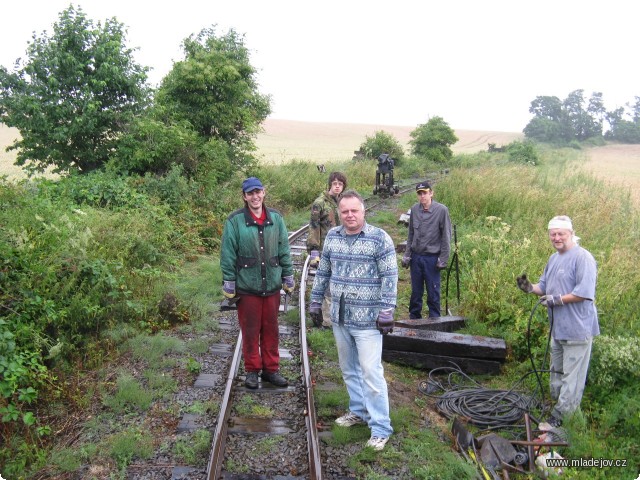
(486, 408)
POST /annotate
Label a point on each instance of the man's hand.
(229, 288)
(440, 265)
(524, 284)
(551, 300)
(406, 262)
(315, 258)
(288, 284)
(385, 321)
(315, 312)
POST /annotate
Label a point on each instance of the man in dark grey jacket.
(428, 249)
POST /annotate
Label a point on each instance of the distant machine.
(384, 177)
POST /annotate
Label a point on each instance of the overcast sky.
(477, 64)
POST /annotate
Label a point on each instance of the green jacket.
(254, 256)
(324, 216)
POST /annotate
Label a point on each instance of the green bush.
(523, 152)
(614, 362)
(382, 142)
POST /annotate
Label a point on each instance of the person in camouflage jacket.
(324, 216)
(324, 212)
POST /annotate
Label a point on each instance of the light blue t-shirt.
(574, 271)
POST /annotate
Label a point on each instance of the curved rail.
(315, 464)
(216, 460)
(214, 469)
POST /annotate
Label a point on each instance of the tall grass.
(501, 213)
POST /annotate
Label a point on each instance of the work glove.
(315, 258)
(440, 265)
(406, 262)
(288, 284)
(229, 288)
(385, 321)
(524, 284)
(551, 300)
(315, 312)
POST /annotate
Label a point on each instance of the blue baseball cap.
(250, 184)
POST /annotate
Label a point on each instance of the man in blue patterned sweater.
(358, 265)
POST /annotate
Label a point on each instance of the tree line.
(578, 119)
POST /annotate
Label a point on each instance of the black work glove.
(315, 312)
(524, 284)
(406, 262)
(551, 300)
(385, 321)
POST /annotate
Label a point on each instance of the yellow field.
(7, 136)
(284, 140)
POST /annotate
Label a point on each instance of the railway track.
(246, 434)
(268, 432)
(299, 417)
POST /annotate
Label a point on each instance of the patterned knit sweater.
(362, 270)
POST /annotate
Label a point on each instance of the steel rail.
(315, 462)
(216, 460)
(214, 468)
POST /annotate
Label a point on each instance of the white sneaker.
(377, 443)
(349, 419)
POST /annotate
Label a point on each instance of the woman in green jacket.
(256, 262)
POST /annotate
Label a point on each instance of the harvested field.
(317, 142)
(619, 165)
(7, 137)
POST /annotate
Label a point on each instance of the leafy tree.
(432, 140)
(214, 89)
(544, 130)
(635, 110)
(547, 107)
(625, 131)
(73, 94)
(382, 142)
(155, 145)
(613, 118)
(583, 124)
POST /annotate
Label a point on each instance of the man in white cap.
(567, 288)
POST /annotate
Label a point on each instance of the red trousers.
(258, 318)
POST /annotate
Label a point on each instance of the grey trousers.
(569, 366)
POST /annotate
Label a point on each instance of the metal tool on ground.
(466, 444)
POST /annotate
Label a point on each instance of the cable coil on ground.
(486, 408)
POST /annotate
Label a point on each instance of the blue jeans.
(360, 355)
(424, 272)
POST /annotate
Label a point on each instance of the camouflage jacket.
(324, 216)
